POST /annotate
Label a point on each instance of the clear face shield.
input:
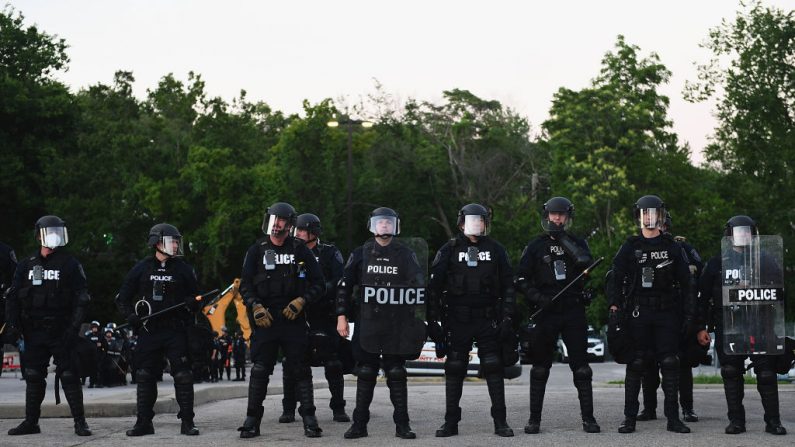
(742, 236)
(304, 234)
(53, 237)
(651, 218)
(475, 225)
(384, 225)
(277, 226)
(556, 222)
(170, 245)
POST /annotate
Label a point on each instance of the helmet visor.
(384, 225)
(555, 221)
(170, 245)
(277, 225)
(53, 237)
(651, 218)
(475, 225)
(741, 236)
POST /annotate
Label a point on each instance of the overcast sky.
(517, 52)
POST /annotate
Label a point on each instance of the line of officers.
(301, 296)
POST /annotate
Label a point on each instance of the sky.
(517, 52)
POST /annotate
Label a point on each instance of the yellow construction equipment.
(216, 309)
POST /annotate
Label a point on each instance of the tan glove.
(262, 318)
(294, 309)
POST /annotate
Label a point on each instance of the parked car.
(428, 364)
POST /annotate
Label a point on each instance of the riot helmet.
(279, 210)
(562, 211)
(668, 222)
(166, 239)
(474, 220)
(95, 324)
(650, 212)
(741, 229)
(309, 223)
(51, 232)
(384, 222)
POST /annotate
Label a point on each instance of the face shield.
(556, 222)
(170, 245)
(277, 225)
(384, 225)
(475, 225)
(651, 218)
(742, 236)
(53, 237)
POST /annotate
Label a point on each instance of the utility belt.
(660, 302)
(464, 314)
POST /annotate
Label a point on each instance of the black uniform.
(401, 263)
(8, 264)
(733, 366)
(651, 378)
(96, 338)
(48, 301)
(659, 306)
(239, 354)
(161, 285)
(475, 296)
(296, 274)
(324, 340)
(545, 268)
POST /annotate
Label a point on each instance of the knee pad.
(34, 375)
(396, 373)
(583, 373)
(637, 365)
(144, 376)
(69, 377)
(491, 364)
(539, 373)
(183, 377)
(670, 363)
(456, 364)
(260, 371)
(368, 372)
(333, 367)
(730, 371)
(766, 377)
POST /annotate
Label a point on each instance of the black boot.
(649, 384)
(146, 396)
(183, 390)
(734, 389)
(496, 386)
(336, 386)
(74, 396)
(632, 382)
(305, 394)
(767, 385)
(289, 399)
(142, 427)
(648, 414)
(257, 391)
(670, 386)
(365, 385)
(686, 393)
(582, 381)
(538, 386)
(627, 426)
(688, 415)
(35, 386)
(399, 395)
(453, 386)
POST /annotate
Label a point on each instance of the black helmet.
(740, 228)
(166, 238)
(654, 207)
(281, 210)
(668, 222)
(480, 227)
(560, 205)
(382, 213)
(309, 222)
(51, 232)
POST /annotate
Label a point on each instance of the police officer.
(224, 343)
(688, 350)
(239, 354)
(733, 366)
(95, 336)
(47, 302)
(660, 302)
(398, 264)
(8, 264)
(549, 263)
(472, 284)
(280, 277)
(156, 283)
(324, 340)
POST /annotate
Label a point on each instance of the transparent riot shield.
(393, 297)
(753, 295)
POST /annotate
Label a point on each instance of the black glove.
(11, 334)
(192, 304)
(613, 318)
(505, 329)
(435, 331)
(134, 321)
(538, 299)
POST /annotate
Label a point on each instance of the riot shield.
(392, 297)
(753, 295)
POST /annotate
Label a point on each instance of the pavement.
(221, 407)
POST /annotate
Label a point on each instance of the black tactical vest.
(383, 266)
(161, 286)
(654, 268)
(279, 277)
(43, 292)
(473, 277)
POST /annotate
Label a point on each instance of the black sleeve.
(622, 275)
(125, 299)
(336, 264)
(12, 297)
(81, 298)
(524, 273)
(707, 301)
(315, 284)
(350, 277)
(247, 290)
(686, 283)
(507, 291)
(8, 265)
(438, 282)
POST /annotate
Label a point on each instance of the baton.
(168, 309)
(585, 272)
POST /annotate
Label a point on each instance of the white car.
(595, 348)
(428, 364)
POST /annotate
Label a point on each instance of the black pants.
(571, 325)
